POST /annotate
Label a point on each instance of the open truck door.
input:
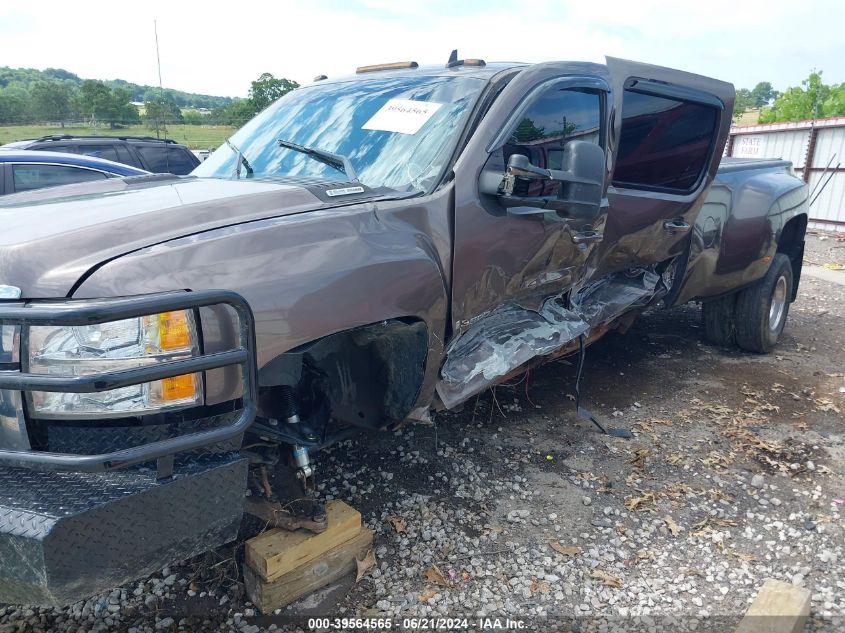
(667, 132)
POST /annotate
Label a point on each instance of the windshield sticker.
(402, 115)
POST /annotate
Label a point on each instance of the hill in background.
(26, 78)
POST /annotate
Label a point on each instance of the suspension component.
(301, 458)
(290, 410)
(304, 468)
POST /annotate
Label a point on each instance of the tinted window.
(558, 116)
(28, 177)
(664, 142)
(157, 159)
(100, 151)
(125, 156)
(182, 161)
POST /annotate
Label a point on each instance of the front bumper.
(65, 536)
(77, 522)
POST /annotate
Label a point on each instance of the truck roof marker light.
(390, 66)
(455, 62)
(480, 63)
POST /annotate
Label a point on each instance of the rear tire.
(719, 319)
(762, 308)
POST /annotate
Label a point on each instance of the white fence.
(817, 151)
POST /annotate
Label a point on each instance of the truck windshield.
(397, 132)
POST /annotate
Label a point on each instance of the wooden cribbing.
(277, 552)
(313, 575)
(778, 608)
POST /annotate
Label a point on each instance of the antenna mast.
(160, 86)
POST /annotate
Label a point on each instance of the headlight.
(9, 343)
(114, 346)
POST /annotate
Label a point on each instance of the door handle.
(587, 237)
(678, 225)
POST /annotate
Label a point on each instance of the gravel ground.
(515, 507)
(824, 248)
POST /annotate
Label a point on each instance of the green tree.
(53, 100)
(192, 117)
(528, 131)
(14, 106)
(812, 100)
(763, 94)
(266, 89)
(743, 101)
(96, 101)
(236, 113)
(62, 74)
(110, 105)
(161, 112)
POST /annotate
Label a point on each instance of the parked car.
(388, 244)
(25, 170)
(144, 152)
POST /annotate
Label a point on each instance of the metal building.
(817, 151)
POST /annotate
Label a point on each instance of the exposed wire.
(496, 401)
(527, 382)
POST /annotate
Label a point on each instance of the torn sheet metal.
(611, 297)
(511, 335)
(502, 341)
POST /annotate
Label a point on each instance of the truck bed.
(731, 164)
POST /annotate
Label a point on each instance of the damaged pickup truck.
(364, 251)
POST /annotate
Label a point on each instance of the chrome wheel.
(777, 308)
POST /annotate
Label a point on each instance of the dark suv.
(143, 152)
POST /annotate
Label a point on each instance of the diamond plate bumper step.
(65, 536)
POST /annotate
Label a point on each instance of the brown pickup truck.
(366, 250)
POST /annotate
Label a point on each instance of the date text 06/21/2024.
(416, 624)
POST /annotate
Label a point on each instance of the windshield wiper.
(240, 161)
(338, 161)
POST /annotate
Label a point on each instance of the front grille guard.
(162, 451)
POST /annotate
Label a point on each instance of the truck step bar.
(66, 536)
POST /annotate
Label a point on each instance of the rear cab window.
(664, 143)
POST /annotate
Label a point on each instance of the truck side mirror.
(581, 183)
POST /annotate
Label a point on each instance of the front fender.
(306, 277)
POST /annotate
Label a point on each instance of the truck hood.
(49, 239)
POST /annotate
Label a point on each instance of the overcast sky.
(220, 47)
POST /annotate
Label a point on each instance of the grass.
(749, 117)
(194, 136)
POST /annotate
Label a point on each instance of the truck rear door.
(668, 131)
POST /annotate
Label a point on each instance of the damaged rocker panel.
(505, 339)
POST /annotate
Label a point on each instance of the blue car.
(25, 170)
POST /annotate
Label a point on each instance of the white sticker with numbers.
(402, 115)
